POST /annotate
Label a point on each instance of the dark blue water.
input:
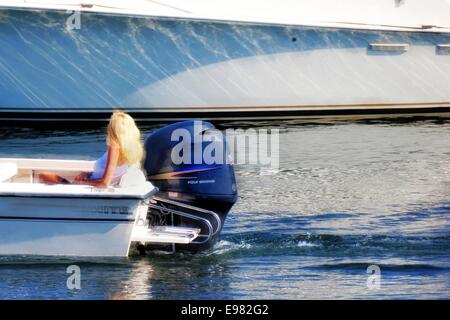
(348, 194)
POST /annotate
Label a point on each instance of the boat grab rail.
(211, 231)
(190, 216)
(187, 206)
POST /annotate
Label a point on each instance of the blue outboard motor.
(191, 164)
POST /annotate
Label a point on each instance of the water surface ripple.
(348, 194)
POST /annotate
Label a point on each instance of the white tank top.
(99, 170)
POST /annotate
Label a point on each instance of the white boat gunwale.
(95, 193)
(117, 11)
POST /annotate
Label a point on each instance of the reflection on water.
(348, 194)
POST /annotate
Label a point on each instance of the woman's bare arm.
(111, 165)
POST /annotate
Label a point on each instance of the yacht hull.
(172, 69)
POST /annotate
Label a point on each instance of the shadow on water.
(74, 127)
(332, 121)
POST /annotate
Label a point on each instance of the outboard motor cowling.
(190, 163)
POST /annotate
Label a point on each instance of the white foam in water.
(224, 246)
(268, 171)
(306, 244)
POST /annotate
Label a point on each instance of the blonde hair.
(123, 132)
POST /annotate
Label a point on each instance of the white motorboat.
(222, 59)
(81, 220)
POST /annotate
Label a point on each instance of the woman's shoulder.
(113, 146)
(113, 150)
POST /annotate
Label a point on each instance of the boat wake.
(262, 244)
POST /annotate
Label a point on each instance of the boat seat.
(7, 171)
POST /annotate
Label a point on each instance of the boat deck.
(23, 181)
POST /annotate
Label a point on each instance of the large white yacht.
(222, 59)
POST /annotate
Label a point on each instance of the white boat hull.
(178, 66)
(66, 220)
(69, 227)
(325, 79)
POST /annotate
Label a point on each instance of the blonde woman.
(124, 151)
